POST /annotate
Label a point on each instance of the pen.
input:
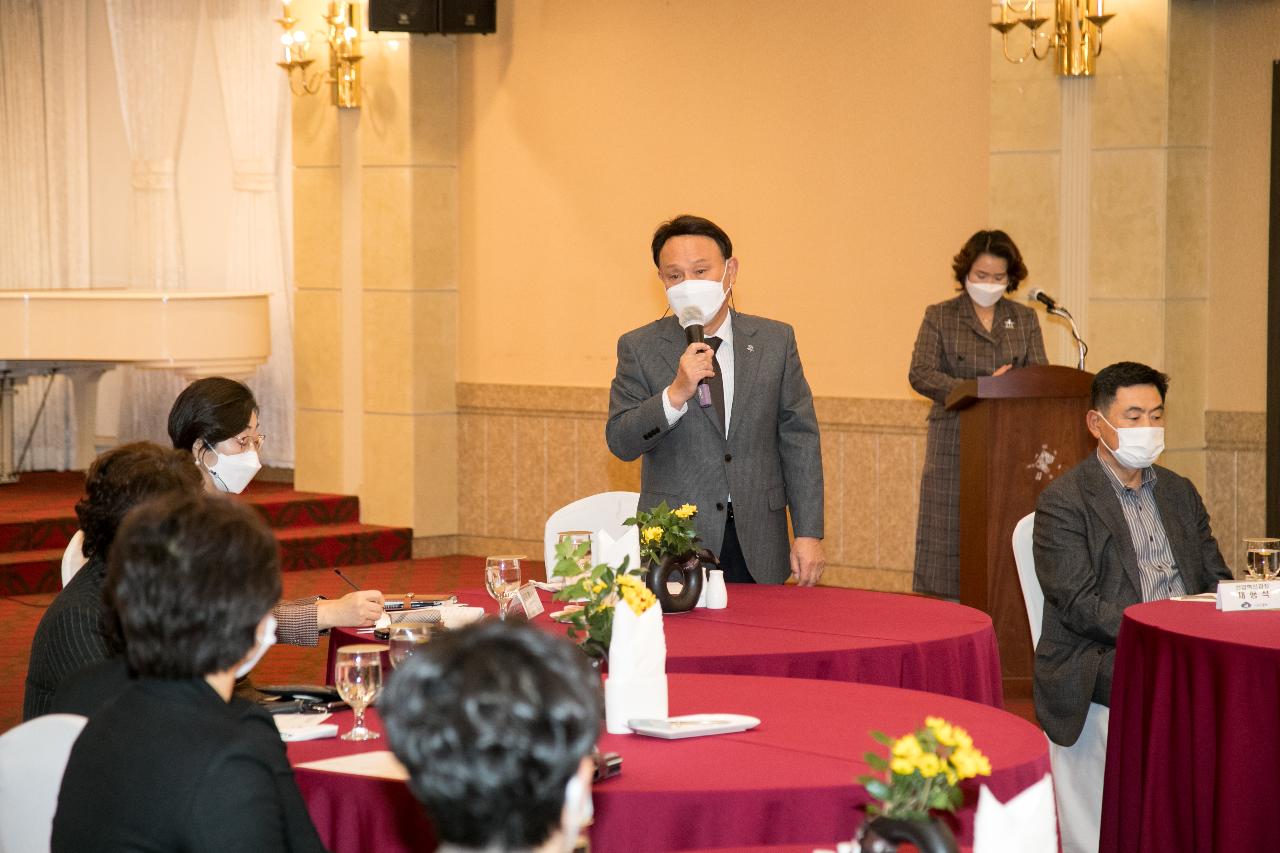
(350, 583)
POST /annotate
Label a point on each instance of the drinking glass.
(502, 579)
(577, 537)
(357, 673)
(406, 638)
(1262, 558)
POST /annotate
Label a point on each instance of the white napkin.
(304, 726)
(1025, 824)
(380, 764)
(610, 552)
(637, 684)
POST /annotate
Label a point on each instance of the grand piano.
(81, 334)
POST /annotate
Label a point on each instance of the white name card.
(1248, 595)
(529, 601)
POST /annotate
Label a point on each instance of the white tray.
(693, 725)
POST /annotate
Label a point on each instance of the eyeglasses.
(988, 278)
(254, 441)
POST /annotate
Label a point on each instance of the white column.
(1073, 257)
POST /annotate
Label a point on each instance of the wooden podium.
(1017, 433)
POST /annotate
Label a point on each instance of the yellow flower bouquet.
(665, 532)
(923, 771)
(598, 592)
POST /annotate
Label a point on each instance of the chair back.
(1032, 595)
(73, 558)
(605, 511)
(32, 758)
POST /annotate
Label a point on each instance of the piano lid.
(196, 333)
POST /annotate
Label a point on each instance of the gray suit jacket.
(771, 460)
(1088, 569)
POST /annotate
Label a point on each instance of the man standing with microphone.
(717, 404)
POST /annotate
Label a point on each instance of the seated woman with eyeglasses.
(216, 420)
(176, 762)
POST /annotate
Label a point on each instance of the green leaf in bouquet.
(876, 762)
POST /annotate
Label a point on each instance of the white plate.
(694, 725)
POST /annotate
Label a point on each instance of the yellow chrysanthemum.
(907, 747)
(652, 534)
(902, 767)
(685, 511)
(984, 764)
(962, 739)
(929, 765)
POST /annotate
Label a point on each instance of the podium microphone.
(1038, 295)
(1051, 304)
(693, 334)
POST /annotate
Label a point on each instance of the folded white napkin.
(304, 726)
(610, 552)
(637, 684)
(1025, 824)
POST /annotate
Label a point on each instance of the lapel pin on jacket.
(751, 347)
(1008, 322)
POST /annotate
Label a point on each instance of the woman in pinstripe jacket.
(977, 333)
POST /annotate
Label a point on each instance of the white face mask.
(985, 295)
(266, 638)
(233, 473)
(578, 809)
(1139, 446)
(696, 300)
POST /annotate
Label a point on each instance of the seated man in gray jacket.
(1113, 531)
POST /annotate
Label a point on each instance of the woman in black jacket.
(176, 762)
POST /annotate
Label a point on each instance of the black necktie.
(716, 383)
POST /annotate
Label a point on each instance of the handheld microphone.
(693, 334)
(1038, 295)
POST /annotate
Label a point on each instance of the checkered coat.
(952, 346)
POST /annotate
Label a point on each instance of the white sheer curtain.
(245, 43)
(153, 43)
(44, 189)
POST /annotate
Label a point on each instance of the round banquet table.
(1195, 722)
(826, 633)
(791, 780)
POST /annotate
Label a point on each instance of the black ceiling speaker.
(433, 16)
(468, 16)
(404, 16)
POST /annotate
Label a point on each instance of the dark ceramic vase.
(884, 834)
(685, 569)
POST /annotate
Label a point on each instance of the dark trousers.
(732, 562)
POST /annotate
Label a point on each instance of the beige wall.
(845, 152)
(1246, 40)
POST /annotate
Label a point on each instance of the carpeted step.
(25, 572)
(312, 547)
(342, 545)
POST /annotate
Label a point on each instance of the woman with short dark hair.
(72, 632)
(977, 333)
(177, 762)
(495, 724)
(216, 420)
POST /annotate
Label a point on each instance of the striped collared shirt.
(1156, 567)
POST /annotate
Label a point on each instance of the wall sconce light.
(1076, 36)
(344, 54)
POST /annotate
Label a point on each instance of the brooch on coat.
(1008, 323)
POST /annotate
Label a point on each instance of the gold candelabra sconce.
(343, 37)
(1075, 40)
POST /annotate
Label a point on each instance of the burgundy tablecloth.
(1194, 742)
(824, 633)
(789, 781)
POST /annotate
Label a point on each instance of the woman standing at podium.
(976, 333)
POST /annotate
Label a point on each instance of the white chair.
(1025, 559)
(32, 758)
(73, 558)
(1078, 770)
(605, 511)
